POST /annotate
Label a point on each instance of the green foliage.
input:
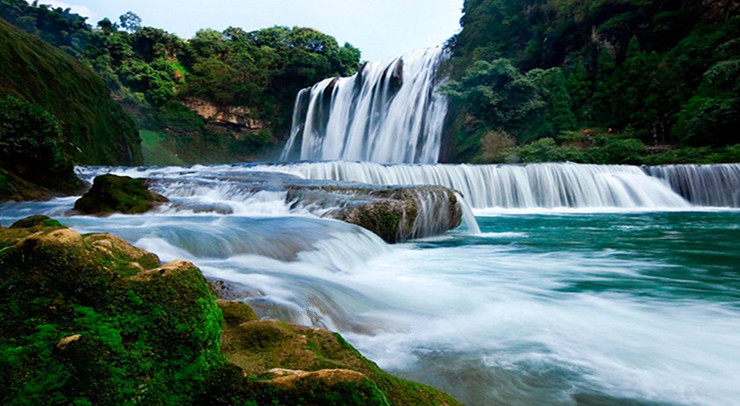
(499, 95)
(94, 129)
(661, 72)
(29, 146)
(151, 69)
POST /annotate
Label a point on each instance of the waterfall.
(548, 185)
(705, 185)
(389, 111)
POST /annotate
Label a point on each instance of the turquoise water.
(600, 308)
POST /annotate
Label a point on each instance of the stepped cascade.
(705, 185)
(390, 111)
(549, 185)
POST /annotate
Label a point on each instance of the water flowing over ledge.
(549, 185)
(704, 185)
(533, 186)
(390, 111)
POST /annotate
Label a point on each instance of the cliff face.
(238, 117)
(95, 130)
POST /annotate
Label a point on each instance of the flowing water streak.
(390, 111)
(705, 185)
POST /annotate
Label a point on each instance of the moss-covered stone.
(37, 221)
(118, 194)
(260, 346)
(235, 312)
(83, 322)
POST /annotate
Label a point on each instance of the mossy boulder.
(118, 194)
(37, 221)
(259, 347)
(90, 319)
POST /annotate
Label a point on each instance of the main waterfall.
(390, 111)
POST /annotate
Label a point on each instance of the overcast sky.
(379, 28)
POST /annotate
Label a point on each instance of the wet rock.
(396, 214)
(118, 194)
(235, 312)
(295, 358)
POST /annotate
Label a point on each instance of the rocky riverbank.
(90, 319)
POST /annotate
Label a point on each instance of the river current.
(555, 300)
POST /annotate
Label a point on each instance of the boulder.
(396, 213)
(118, 194)
(37, 221)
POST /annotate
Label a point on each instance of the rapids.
(574, 284)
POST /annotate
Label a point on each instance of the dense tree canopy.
(659, 72)
(151, 69)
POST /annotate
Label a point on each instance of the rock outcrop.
(118, 194)
(396, 214)
(238, 116)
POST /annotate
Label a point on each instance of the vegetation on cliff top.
(641, 81)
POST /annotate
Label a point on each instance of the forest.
(607, 81)
(152, 73)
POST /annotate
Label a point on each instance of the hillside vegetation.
(634, 81)
(241, 84)
(94, 130)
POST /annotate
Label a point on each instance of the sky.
(379, 28)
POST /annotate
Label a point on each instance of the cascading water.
(512, 186)
(541, 307)
(705, 185)
(389, 111)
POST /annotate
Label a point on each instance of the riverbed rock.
(396, 213)
(118, 194)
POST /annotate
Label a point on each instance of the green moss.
(37, 221)
(118, 194)
(145, 337)
(259, 346)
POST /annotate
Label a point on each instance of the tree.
(28, 144)
(499, 95)
(130, 22)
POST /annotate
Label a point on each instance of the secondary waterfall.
(705, 185)
(549, 185)
(389, 111)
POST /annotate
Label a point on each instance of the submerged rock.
(118, 194)
(396, 214)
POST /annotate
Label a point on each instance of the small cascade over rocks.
(390, 111)
(704, 185)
